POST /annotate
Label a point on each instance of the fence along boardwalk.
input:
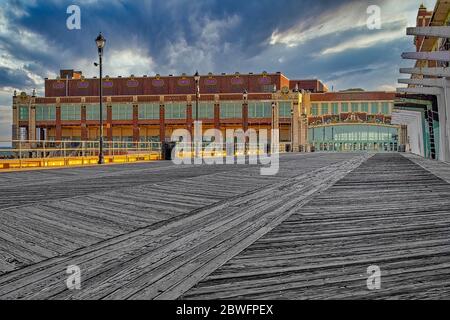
(389, 212)
(122, 226)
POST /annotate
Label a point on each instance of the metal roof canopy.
(439, 32)
(432, 72)
(426, 82)
(434, 55)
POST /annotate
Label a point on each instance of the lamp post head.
(296, 89)
(100, 41)
(245, 94)
(274, 88)
(197, 77)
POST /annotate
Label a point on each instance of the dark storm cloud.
(14, 78)
(181, 36)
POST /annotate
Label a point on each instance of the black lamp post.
(100, 41)
(274, 106)
(245, 96)
(197, 93)
(297, 92)
(197, 98)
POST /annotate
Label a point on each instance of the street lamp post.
(197, 98)
(246, 146)
(297, 92)
(274, 106)
(100, 41)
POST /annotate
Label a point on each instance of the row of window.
(365, 107)
(228, 110)
(174, 111)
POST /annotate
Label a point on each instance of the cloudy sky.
(325, 39)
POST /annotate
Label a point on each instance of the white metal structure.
(439, 86)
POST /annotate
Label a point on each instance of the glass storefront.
(358, 137)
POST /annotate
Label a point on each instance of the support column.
(32, 122)
(84, 133)
(136, 131)
(216, 112)
(304, 109)
(15, 125)
(109, 126)
(189, 117)
(245, 116)
(443, 139)
(58, 136)
(275, 134)
(296, 125)
(162, 121)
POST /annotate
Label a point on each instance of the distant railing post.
(20, 154)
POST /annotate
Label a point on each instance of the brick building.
(151, 108)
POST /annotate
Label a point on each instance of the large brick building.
(151, 108)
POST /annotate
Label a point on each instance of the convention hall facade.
(145, 108)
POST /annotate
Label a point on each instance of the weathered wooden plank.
(210, 232)
(388, 212)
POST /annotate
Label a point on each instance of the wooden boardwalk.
(160, 231)
(389, 212)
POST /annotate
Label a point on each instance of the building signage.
(237, 81)
(210, 82)
(158, 83)
(184, 82)
(132, 83)
(108, 84)
(83, 85)
(59, 85)
(265, 80)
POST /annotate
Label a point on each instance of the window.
(205, 110)
(344, 107)
(23, 113)
(365, 107)
(335, 108)
(325, 108)
(385, 108)
(70, 112)
(46, 113)
(267, 88)
(149, 111)
(314, 109)
(260, 110)
(375, 108)
(122, 112)
(355, 107)
(175, 110)
(285, 109)
(93, 112)
(231, 110)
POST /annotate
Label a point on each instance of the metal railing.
(23, 154)
(65, 149)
